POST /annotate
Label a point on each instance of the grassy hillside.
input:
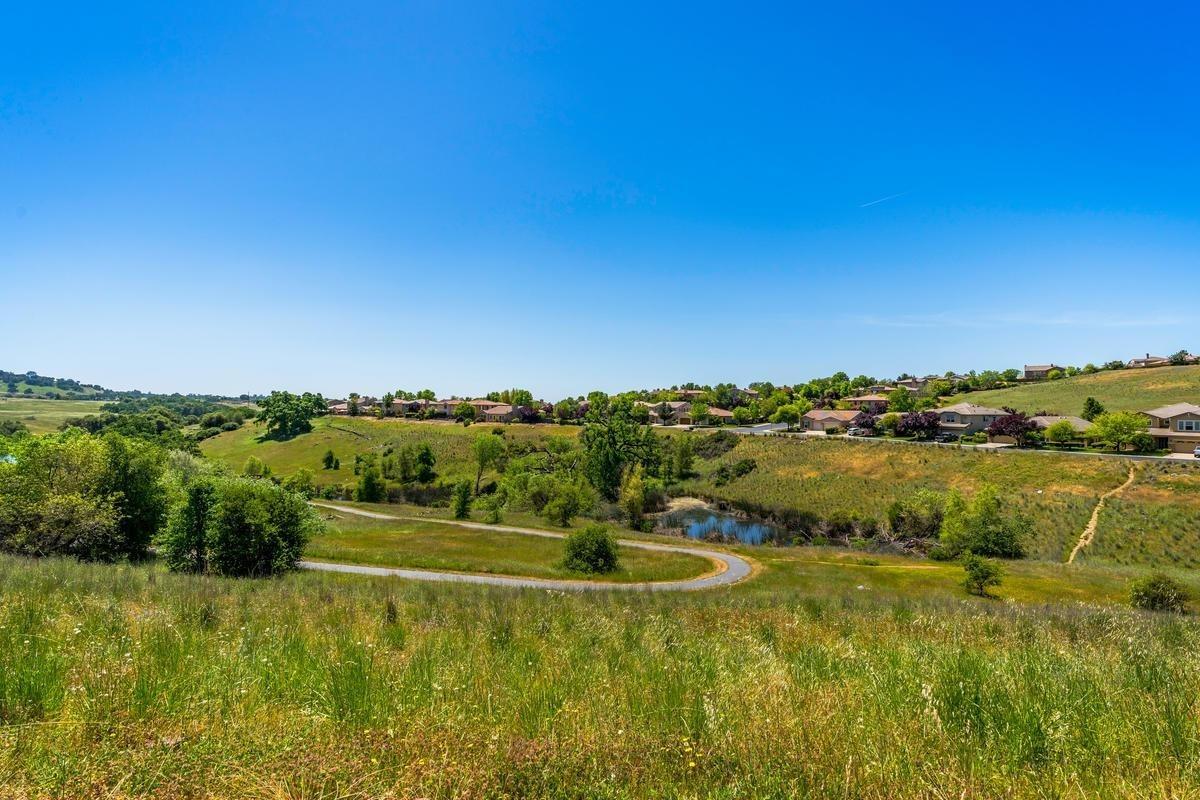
(127, 681)
(42, 416)
(1118, 390)
(348, 436)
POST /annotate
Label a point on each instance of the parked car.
(946, 438)
(858, 432)
(1196, 452)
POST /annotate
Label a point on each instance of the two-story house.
(966, 418)
(871, 403)
(1039, 372)
(1175, 427)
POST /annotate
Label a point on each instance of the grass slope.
(127, 681)
(440, 546)
(348, 436)
(43, 416)
(1118, 390)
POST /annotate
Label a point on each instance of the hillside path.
(1089, 532)
(729, 568)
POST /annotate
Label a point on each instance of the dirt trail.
(1089, 532)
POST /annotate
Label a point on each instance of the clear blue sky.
(469, 196)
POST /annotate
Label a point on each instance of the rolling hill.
(1118, 390)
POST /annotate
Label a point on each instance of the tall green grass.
(127, 681)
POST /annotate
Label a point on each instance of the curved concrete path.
(731, 568)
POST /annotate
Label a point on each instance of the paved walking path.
(730, 568)
(1089, 532)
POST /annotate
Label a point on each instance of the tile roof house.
(1044, 421)
(1148, 361)
(964, 418)
(719, 415)
(823, 419)
(871, 403)
(1175, 427)
(1039, 372)
(499, 413)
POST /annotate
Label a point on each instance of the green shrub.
(1157, 592)
(981, 527)
(257, 529)
(371, 486)
(980, 574)
(462, 499)
(592, 550)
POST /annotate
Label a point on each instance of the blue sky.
(470, 196)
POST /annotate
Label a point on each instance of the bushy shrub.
(230, 426)
(301, 482)
(1157, 592)
(727, 473)
(981, 574)
(371, 487)
(918, 516)
(236, 526)
(592, 550)
(716, 444)
(981, 526)
(462, 499)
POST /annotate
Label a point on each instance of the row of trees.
(109, 496)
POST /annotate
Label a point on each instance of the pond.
(705, 523)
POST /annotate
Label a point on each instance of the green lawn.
(1118, 390)
(42, 416)
(441, 546)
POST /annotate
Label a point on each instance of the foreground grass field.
(43, 416)
(440, 546)
(128, 681)
(1118, 390)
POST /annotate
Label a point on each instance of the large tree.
(1014, 425)
(487, 450)
(1121, 429)
(287, 414)
(613, 440)
(919, 424)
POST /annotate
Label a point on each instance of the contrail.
(885, 199)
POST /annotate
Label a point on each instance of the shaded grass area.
(1118, 390)
(43, 416)
(440, 546)
(127, 681)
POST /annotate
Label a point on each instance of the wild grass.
(441, 546)
(825, 477)
(1118, 390)
(43, 416)
(1155, 521)
(127, 681)
(348, 436)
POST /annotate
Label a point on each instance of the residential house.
(719, 416)
(823, 420)
(871, 403)
(691, 394)
(913, 385)
(1175, 427)
(340, 409)
(880, 388)
(499, 413)
(1159, 361)
(967, 418)
(745, 394)
(1039, 372)
(672, 412)
(1044, 421)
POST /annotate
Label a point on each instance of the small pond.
(705, 523)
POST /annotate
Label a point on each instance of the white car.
(1196, 452)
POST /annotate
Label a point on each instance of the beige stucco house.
(824, 419)
(1175, 427)
(966, 418)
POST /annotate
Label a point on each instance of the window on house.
(1188, 425)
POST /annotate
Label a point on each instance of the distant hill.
(32, 385)
(1118, 390)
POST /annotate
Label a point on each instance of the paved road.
(731, 568)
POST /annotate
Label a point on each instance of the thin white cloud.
(885, 199)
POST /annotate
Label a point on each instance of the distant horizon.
(342, 393)
(234, 199)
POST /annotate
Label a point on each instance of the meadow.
(1118, 390)
(1057, 492)
(126, 681)
(43, 416)
(350, 436)
(432, 544)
